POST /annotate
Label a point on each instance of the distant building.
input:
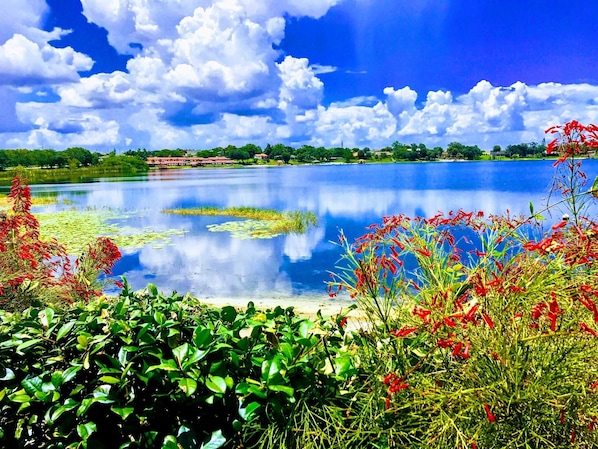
(164, 162)
(260, 156)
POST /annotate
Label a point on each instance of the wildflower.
(538, 310)
(446, 343)
(424, 252)
(389, 377)
(585, 328)
(491, 417)
(404, 331)
(559, 225)
(488, 320)
(424, 314)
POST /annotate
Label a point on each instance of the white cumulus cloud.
(206, 73)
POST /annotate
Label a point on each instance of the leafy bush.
(148, 370)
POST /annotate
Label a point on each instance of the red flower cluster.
(395, 384)
(572, 139)
(32, 269)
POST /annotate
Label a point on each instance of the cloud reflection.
(214, 265)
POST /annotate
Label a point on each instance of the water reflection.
(348, 197)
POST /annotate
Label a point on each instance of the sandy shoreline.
(305, 305)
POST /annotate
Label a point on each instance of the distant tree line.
(532, 149)
(312, 154)
(76, 157)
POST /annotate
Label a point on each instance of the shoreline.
(304, 305)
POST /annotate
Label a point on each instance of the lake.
(348, 197)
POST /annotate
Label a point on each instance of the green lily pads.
(75, 229)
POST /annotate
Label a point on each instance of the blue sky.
(123, 74)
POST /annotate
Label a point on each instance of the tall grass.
(278, 222)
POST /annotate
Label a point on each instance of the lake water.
(347, 197)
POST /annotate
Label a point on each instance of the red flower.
(424, 314)
(489, 413)
(424, 252)
(488, 320)
(560, 225)
(404, 331)
(584, 327)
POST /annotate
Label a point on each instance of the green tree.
(251, 149)
(239, 155)
(472, 152)
(82, 155)
(455, 150)
(4, 161)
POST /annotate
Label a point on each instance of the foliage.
(260, 223)
(123, 162)
(147, 370)
(35, 271)
(484, 328)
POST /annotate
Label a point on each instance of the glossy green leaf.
(289, 391)
(217, 440)
(228, 314)
(180, 352)
(58, 411)
(20, 398)
(167, 365)
(216, 384)
(85, 430)
(271, 368)
(123, 412)
(202, 337)
(170, 442)
(109, 380)
(193, 357)
(28, 344)
(64, 330)
(250, 411)
(46, 316)
(8, 375)
(189, 386)
(70, 373)
(32, 385)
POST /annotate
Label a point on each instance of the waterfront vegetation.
(481, 332)
(258, 223)
(81, 165)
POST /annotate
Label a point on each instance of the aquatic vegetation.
(76, 228)
(259, 223)
(35, 201)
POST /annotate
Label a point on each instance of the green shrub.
(147, 370)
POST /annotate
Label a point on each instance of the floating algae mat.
(75, 229)
(259, 223)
